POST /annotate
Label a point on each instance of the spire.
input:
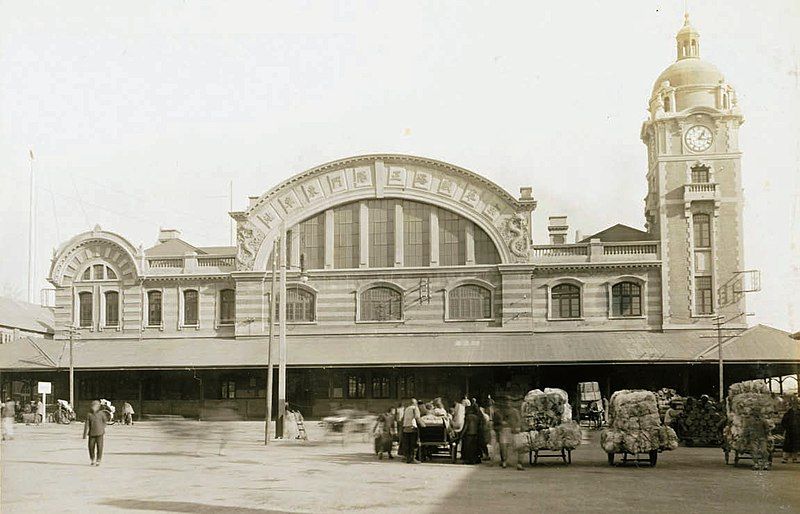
(688, 40)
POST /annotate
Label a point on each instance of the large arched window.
(566, 301)
(469, 302)
(299, 305)
(85, 309)
(154, 308)
(227, 307)
(381, 304)
(190, 307)
(485, 250)
(98, 272)
(452, 241)
(112, 309)
(702, 230)
(416, 234)
(626, 299)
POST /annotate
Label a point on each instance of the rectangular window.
(190, 307)
(416, 234)
(381, 233)
(86, 309)
(112, 309)
(703, 295)
(380, 386)
(312, 242)
(346, 237)
(700, 175)
(154, 308)
(405, 386)
(452, 247)
(228, 390)
(356, 386)
(227, 307)
(97, 271)
(702, 230)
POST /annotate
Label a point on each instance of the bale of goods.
(547, 422)
(566, 435)
(701, 423)
(543, 409)
(664, 396)
(589, 391)
(635, 425)
(751, 419)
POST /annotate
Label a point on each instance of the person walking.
(9, 412)
(471, 447)
(791, 426)
(383, 429)
(95, 429)
(506, 421)
(411, 423)
(127, 413)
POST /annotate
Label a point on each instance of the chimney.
(165, 234)
(557, 227)
(578, 235)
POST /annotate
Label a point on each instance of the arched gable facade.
(505, 219)
(97, 246)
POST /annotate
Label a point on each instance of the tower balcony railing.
(699, 191)
(597, 251)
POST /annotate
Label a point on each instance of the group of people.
(477, 426)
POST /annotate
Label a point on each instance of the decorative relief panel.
(516, 234)
(313, 190)
(249, 239)
(362, 176)
(397, 177)
(471, 197)
(447, 187)
(422, 180)
(492, 212)
(337, 181)
(289, 202)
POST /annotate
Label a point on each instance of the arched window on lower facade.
(190, 307)
(626, 299)
(300, 305)
(381, 304)
(112, 309)
(85, 309)
(565, 301)
(469, 302)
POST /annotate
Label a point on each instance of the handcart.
(636, 458)
(437, 440)
(565, 454)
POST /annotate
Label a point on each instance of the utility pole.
(72, 333)
(31, 236)
(279, 428)
(269, 344)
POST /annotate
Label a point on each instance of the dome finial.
(688, 39)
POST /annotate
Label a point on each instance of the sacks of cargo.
(547, 422)
(751, 418)
(635, 425)
(548, 408)
(700, 423)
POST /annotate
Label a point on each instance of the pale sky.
(140, 113)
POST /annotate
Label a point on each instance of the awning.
(759, 344)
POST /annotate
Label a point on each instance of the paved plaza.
(176, 467)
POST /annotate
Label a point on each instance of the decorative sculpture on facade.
(517, 236)
(249, 238)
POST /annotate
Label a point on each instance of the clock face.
(698, 138)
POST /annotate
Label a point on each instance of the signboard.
(45, 387)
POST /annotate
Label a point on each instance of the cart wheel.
(569, 456)
(653, 458)
(453, 453)
(611, 459)
(736, 458)
(563, 455)
(530, 458)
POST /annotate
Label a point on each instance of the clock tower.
(694, 196)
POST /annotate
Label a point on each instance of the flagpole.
(31, 237)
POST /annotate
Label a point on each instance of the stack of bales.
(701, 423)
(664, 396)
(635, 425)
(547, 422)
(751, 418)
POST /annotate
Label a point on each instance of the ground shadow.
(197, 508)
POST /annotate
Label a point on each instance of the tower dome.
(690, 81)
